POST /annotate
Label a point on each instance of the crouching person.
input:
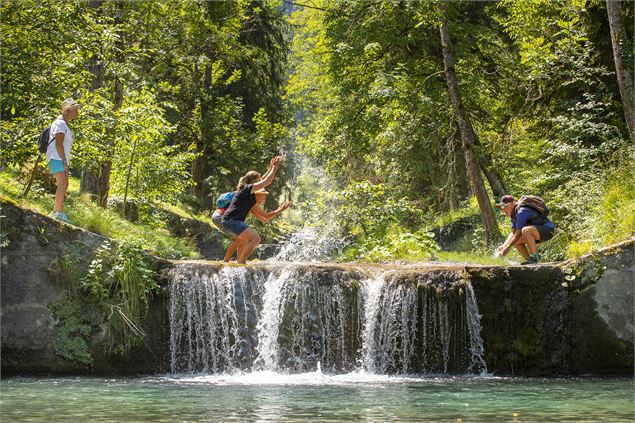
(529, 224)
(249, 195)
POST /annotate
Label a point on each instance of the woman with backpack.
(250, 193)
(58, 154)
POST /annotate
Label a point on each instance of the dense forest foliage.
(193, 88)
(396, 116)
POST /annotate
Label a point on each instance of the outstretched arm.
(511, 240)
(269, 169)
(265, 216)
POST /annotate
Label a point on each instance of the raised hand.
(284, 206)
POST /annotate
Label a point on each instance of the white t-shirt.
(59, 126)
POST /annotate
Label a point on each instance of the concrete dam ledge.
(420, 267)
(570, 318)
(538, 273)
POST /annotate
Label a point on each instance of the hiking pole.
(33, 173)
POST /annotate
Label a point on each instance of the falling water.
(211, 313)
(298, 317)
(477, 350)
(310, 244)
(269, 323)
(371, 293)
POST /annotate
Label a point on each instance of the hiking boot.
(533, 259)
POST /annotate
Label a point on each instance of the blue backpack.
(223, 201)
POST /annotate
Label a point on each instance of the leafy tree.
(387, 119)
(42, 64)
(570, 119)
(216, 70)
(623, 78)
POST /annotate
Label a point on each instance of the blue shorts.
(546, 233)
(56, 166)
(217, 220)
(234, 227)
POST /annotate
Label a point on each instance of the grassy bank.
(150, 234)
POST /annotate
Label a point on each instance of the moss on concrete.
(536, 320)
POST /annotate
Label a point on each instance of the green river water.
(315, 397)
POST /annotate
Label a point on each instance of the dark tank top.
(242, 202)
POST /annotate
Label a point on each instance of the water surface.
(315, 397)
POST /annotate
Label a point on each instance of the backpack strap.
(52, 137)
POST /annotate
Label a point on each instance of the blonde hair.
(249, 178)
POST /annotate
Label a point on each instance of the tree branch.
(307, 6)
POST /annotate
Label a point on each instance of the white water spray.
(295, 317)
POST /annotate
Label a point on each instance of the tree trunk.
(103, 190)
(32, 177)
(130, 165)
(467, 133)
(89, 180)
(199, 167)
(198, 170)
(106, 167)
(104, 184)
(495, 180)
(613, 8)
(89, 183)
(485, 163)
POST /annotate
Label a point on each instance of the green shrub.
(115, 291)
(77, 318)
(594, 212)
(397, 244)
(121, 282)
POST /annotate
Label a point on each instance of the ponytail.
(251, 177)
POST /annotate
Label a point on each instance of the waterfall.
(477, 350)
(371, 294)
(269, 323)
(297, 318)
(211, 313)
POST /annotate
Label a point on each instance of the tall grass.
(154, 238)
(603, 212)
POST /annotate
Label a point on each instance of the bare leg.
(522, 249)
(61, 179)
(231, 249)
(250, 240)
(530, 235)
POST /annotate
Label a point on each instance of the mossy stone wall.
(41, 258)
(574, 318)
